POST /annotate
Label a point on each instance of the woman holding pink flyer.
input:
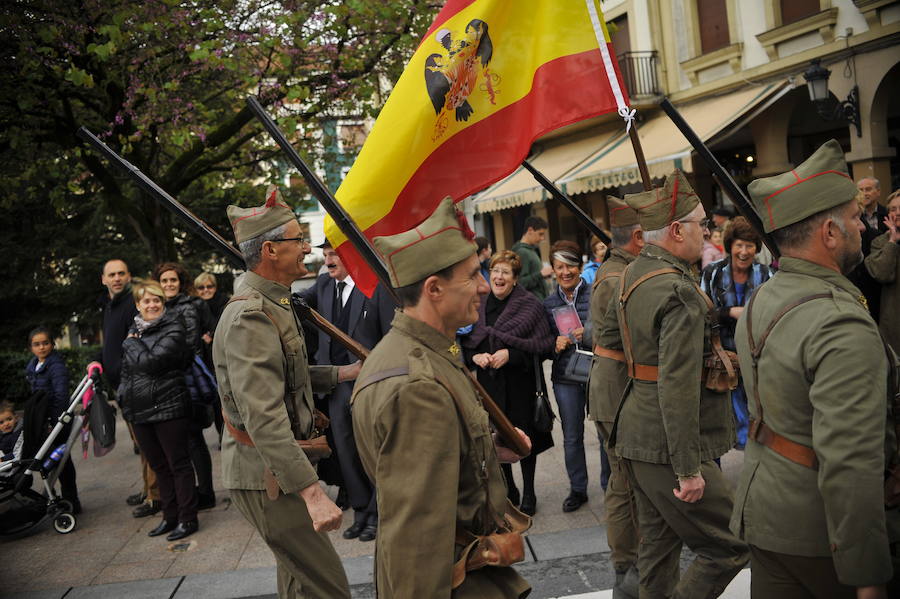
(567, 309)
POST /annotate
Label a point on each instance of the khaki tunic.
(883, 263)
(262, 369)
(822, 384)
(674, 420)
(266, 385)
(434, 470)
(608, 377)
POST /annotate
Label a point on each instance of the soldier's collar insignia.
(454, 349)
(865, 303)
(284, 301)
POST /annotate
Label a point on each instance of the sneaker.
(147, 509)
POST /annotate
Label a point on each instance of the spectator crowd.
(157, 354)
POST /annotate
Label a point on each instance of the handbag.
(542, 415)
(578, 368)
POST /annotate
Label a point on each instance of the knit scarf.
(522, 325)
(142, 325)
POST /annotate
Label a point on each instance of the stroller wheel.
(66, 506)
(64, 523)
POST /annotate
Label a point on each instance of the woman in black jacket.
(155, 400)
(571, 395)
(198, 323)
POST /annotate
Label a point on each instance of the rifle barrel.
(740, 200)
(158, 193)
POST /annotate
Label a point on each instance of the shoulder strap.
(380, 376)
(759, 430)
(624, 294)
(607, 275)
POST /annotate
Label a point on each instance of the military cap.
(659, 207)
(442, 240)
(620, 213)
(818, 184)
(253, 222)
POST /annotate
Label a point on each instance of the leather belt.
(642, 372)
(795, 452)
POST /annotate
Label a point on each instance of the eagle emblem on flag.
(451, 76)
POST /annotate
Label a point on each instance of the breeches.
(308, 567)
(666, 523)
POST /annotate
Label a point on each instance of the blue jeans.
(571, 401)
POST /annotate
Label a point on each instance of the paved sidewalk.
(110, 555)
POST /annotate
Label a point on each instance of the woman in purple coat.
(506, 347)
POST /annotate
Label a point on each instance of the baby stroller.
(22, 509)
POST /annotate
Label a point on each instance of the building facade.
(735, 70)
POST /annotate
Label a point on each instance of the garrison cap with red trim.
(659, 207)
(253, 222)
(442, 240)
(818, 184)
(620, 213)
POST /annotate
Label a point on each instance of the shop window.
(712, 16)
(796, 10)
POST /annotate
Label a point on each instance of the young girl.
(47, 372)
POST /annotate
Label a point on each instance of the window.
(713, 22)
(795, 10)
(619, 38)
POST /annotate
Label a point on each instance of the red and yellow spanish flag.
(488, 78)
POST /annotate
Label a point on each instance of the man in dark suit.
(873, 215)
(335, 296)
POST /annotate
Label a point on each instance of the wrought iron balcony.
(639, 73)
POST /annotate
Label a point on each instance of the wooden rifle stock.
(505, 429)
(304, 312)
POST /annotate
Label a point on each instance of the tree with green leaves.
(163, 83)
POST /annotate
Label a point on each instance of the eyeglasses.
(500, 271)
(299, 240)
(703, 223)
(205, 287)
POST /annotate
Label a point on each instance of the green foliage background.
(163, 83)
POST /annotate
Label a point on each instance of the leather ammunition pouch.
(720, 368)
(502, 548)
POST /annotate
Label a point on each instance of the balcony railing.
(639, 73)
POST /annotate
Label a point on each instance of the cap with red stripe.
(818, 184)
(253, 222)
(659, 207)
(442, 240)
(620, 213)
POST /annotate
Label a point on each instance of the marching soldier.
(423, 435)
(608, 380)
(266, 387)
(810, 501)
(669, 426)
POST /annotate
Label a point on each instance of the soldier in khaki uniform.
(670, 427)
(608, 380)
(422, 433)
(266, 387)
(810, 501)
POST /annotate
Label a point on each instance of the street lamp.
(817, 84)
